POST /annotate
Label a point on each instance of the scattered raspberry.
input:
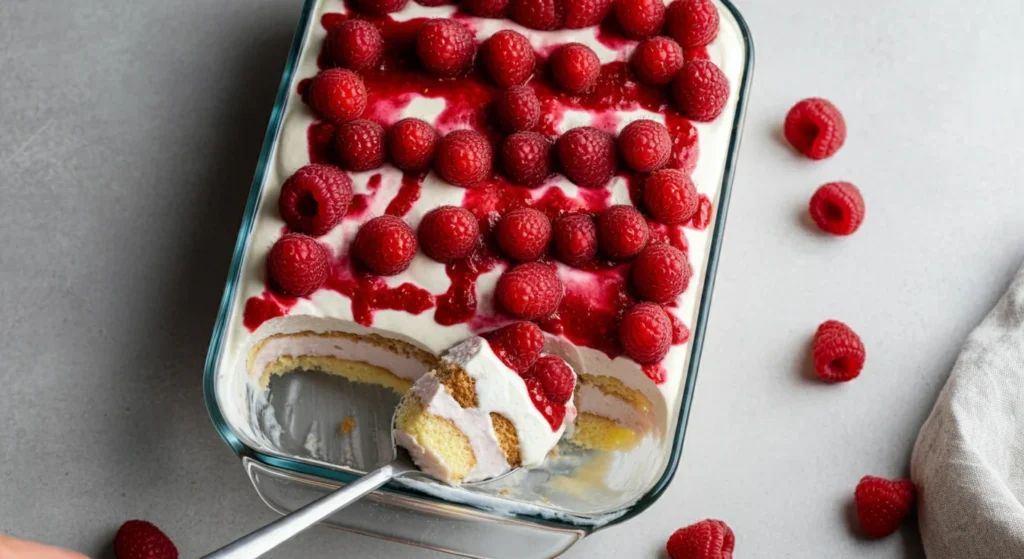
(640, 19)
(882, 504)
(585, 13)
(314, 199)
(518, 108)
(524, 234)
(622, 232)
(575, 67)
(707, 539)
(670, 196)
(527, 158)
(445, 47)
(338, 95)
(555, 376)
(543, 15)
(587, 155)
(531, 290)
(553, 412)
(508, 58)
(487, 8)
(661, 273)
(355, 44)
(464, 158)
(138, 539)
(411, 144)
(645, 333)
(575, 239)
(657, 60)
(448, 233)
(837, 208)
(297, 265)
(385, 245)
(692, 23)
(518, 345)
(815, 128)
(700, 90)
(359, 145)
(645, 145)
(838, 352)
(379, 7)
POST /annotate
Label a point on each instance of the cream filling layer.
(342, 348)
(590, 399)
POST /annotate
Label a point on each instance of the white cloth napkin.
(968, 463)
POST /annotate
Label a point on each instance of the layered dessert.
(476, 418)
(444, 172)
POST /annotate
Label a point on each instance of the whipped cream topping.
(500, 390)
(291, 152)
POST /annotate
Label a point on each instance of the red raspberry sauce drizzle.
(370, 292)
(406, 195)
(268, 305)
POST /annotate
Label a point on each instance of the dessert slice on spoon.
(489, 408)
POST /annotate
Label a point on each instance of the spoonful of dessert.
(491, 406)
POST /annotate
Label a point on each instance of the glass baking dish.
(418, 513)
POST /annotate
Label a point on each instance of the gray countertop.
(129, 132)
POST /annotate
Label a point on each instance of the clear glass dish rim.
(697, 342)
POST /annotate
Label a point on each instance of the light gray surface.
(129, 132)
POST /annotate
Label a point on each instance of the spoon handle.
(283, 529)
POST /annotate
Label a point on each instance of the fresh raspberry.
(487, 8)
(445, 47)
(508, 58)
(138, 539)
(531, 290)
(433, 3)
(587, 155)
(815, 128)
(543, 15)
(837, 208)
(622, 232)
(448, 233)
(553, 412)
(707, 539)
(338, 95)
(464, 158)
(517, 108)
(838, 352)
(645, 145)
(657, 60)
(585, 13)
(692, 23)
(411, 144)
(575, 67)
(670, 196)
(700, 90)
(359, 145)
(527, 158)
(555, 376)
(575, 239)
(640, 19)
(882, 504)
(661, 273)
(297, 265)
(524, 234)
(379, 7)
(385, 245)
(518, 345)
(314, 199)
(645, 333)
(355, 44)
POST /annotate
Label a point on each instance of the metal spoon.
(285, 528)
